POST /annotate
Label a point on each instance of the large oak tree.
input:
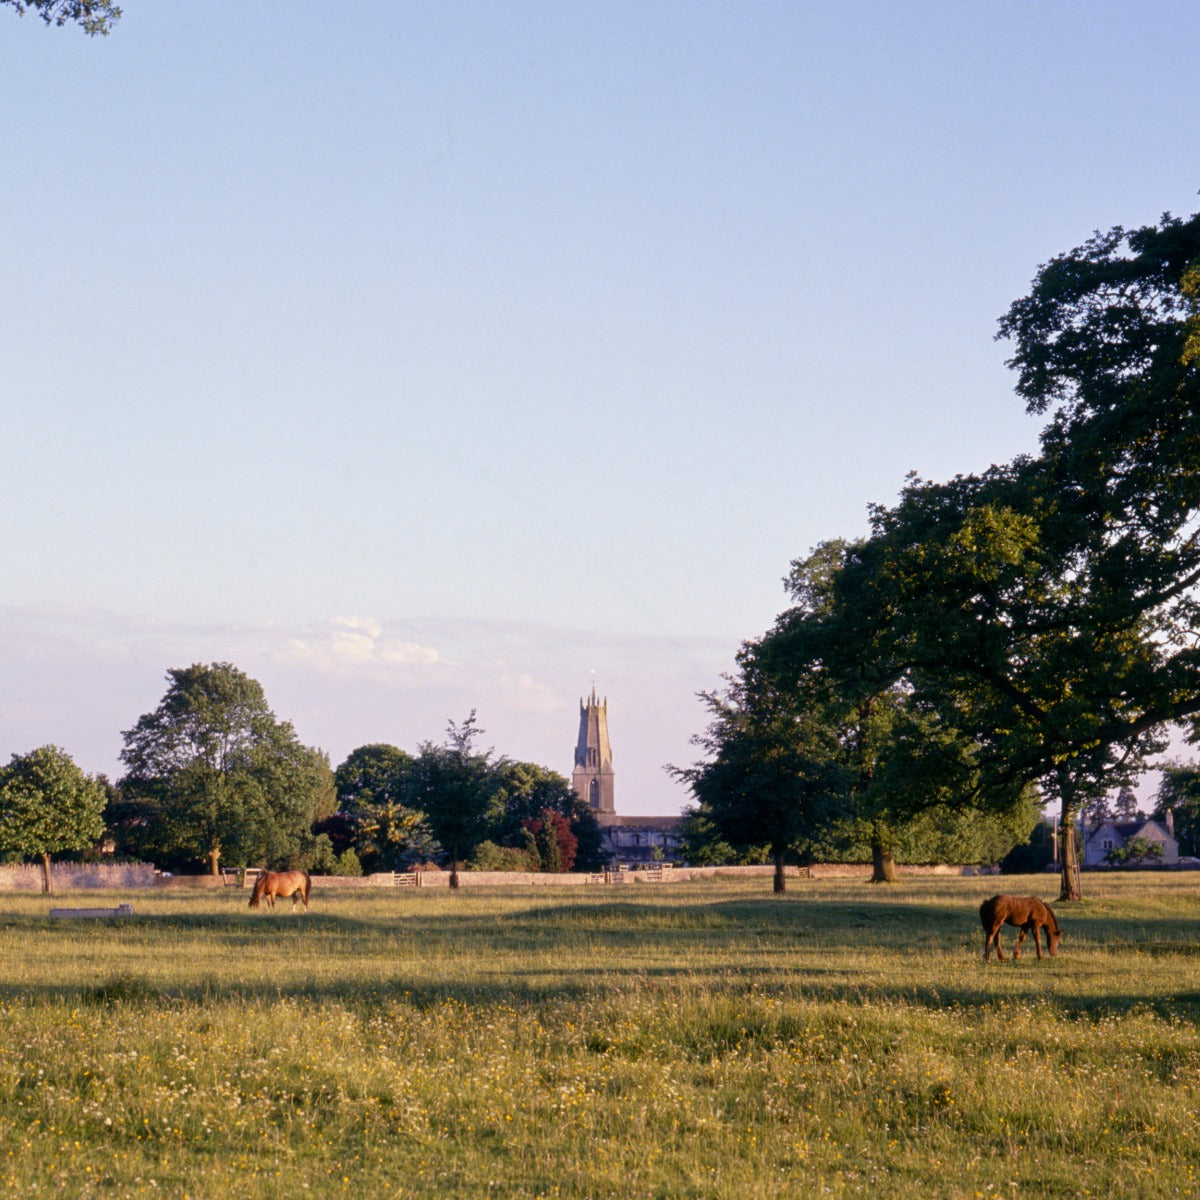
(1047, 608)
(212, 774)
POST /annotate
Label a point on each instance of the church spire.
(592, 778)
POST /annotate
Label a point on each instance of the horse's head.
(256, 893)
(1054, 934)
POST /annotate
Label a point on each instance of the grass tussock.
(681, 1041)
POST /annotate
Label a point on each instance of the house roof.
(1130, 829)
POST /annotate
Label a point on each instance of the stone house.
(1109, 835)
(635, 840)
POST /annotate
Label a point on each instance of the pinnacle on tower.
(592, 778)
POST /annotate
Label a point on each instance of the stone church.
(634, 841)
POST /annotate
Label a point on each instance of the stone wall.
(67, 877)
(863, 870)
(27, 877)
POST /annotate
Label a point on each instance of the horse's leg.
(996, 940)
(1037, 940)
(1020, 940)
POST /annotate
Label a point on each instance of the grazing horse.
(270, 884)
(1026, 912)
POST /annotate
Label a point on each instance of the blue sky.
(418, 358)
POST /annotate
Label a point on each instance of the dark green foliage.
(1029, 626)
(1033, 855)
(526, 793)
(390, 802)
(347, 863)
(1125, 807)
(377, 809)
(1044, 608)
(458, 790)
(768, 774)
(963, 835)
(212, 775)
(702, 845)
(905, 778)
(1179, 794)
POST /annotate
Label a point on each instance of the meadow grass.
(690, 1040)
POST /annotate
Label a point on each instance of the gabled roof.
(1128, 829)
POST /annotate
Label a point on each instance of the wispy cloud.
(356, 643)
(79, 677)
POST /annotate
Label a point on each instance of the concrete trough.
(122, 910)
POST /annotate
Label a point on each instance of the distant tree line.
(1024, 635)
(213, 778)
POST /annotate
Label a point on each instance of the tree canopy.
(212, 774)
(527, 793)
(48, 806)
(1033, 624)
(377, 789)
(768, 777)
(1047, 607)
(457, 789)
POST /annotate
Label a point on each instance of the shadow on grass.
(131, 991)
(694, 948)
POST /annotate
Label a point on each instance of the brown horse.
(270, 884)
(1027, 913)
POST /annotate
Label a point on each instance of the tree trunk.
(779, 885)
(47, 887)
(883, 865)
(214, 861)
(1069, 886)
(454, 868)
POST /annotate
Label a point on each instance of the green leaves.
(377, 793)
(48, 805)
(212, 773)
(1036, 622)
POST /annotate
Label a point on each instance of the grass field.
(691, 1040)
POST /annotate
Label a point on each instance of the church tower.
(592, 777)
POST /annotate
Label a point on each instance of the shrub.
(490, 857)
(1138, 851)
(347, 863)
